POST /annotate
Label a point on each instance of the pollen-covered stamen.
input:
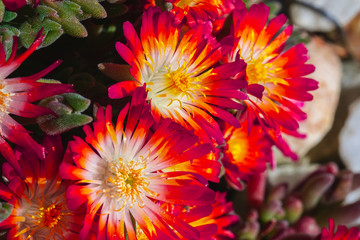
(44, 219)
(180, 78)
(126, 179)
(257, 72)
(51, 215)
(4, 98)
(182, 83)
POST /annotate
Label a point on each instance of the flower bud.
(314, 189)
(293, 208)
(307, 225)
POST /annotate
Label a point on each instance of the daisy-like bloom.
(342, 233)
(179, 73)
(37, 193)
(212, 221)
(198, 11)
(17, 95)
(245, 153)
(277, 86)
(123, 170)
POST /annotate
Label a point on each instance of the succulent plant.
(299, 213)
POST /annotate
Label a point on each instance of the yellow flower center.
(49, 220)
(51, 215)
(238, 145)
(4, 98)
(181, 84)
(126, 179)
(257, 72)
(180, 79)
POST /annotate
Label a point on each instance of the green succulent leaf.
(115, 71)
(67, 108)
(7, 33)
(77, 102)
(2, 11)
(9, 16)
(64, 123)
(5, 210)
(59, 17)
(45, 80)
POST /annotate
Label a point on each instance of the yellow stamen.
(127, 182)
(48, 218)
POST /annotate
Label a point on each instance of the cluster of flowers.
(203, 98)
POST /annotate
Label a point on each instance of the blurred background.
(328, 171)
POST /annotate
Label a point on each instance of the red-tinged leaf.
(118, 72)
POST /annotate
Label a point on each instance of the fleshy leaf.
(77, 102)
(2, 11)
(58, 17)
(5, 210)
(9, 16)
(64, 123)
(67, 109)
(117, 72)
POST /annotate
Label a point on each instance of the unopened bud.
(293, 208)
(250, 231)
(343, 184)
(271, 210)
(314, 189)
(278, 192)
(307, 225)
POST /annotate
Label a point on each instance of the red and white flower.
(276, 82)
(37, 194)
(246, 153)
(121, 172)
(178, 69)
(17, 95)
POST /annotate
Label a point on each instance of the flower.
(342, 233)
(178, 71)
(199, 11)
(276, 87)
(245, 153)
(37, 193)
(17, 95)
(123, 169)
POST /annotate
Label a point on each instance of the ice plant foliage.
(277, 86)
(17, 95)
(178, 70)
(342, 233)
(123, 169)
(245, 153)
(37, 193)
